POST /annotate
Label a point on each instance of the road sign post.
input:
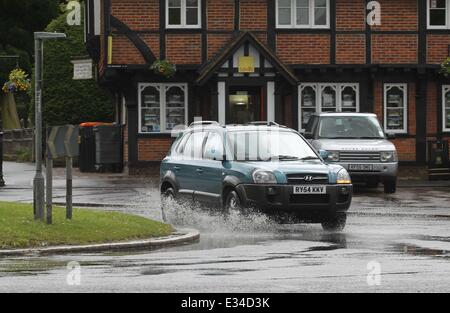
(69, 188)
(62, 142)
(49, 193)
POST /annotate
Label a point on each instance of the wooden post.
(49, 194)
(69, 188)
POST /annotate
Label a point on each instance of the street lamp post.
(39, 182)
(2, 181)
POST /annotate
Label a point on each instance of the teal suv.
(260, 167)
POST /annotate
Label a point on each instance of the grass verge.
(19, 230)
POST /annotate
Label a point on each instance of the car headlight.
(389, 156)
(264, 177)
(333, 156)
(343, 177)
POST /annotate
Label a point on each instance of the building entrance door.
(245, 105)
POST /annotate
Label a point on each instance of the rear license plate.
(361, 167)
(310, 190)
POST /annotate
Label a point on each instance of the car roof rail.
(204, 123)
(263, 123)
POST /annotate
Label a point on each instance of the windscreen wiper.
(287, 157)
(309, 158)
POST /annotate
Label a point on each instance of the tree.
(18, 21)
(67, 101)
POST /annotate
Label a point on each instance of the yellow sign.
(246, 65)
(110, 49)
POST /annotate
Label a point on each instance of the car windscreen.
(269, 145)
(350, 127)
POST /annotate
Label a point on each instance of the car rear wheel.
(390, 186)
(167, 202)
(335, 223)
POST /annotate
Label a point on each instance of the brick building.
(276, 60)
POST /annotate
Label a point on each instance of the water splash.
(204, 219)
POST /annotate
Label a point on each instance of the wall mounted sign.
(246, 64)
(82, 69)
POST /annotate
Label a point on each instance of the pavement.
(392, 243)
(179, 237)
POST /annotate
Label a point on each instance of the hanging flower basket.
(164, 68)
(18, 82)
(445, 67)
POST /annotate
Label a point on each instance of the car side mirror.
(324, 154)
(308, 135)
(215, 155)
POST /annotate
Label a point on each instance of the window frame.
(386, 88)
(183, 9)
(162, 88)
(447, 16)
(318, 88)
(445, 89)
(311, 25)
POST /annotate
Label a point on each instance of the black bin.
(108, 148)
(438, 160)
(86, 158)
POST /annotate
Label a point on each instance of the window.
(446, 108)
(162, 107)
(214, 147)
(350, 127)
(269, 145)
(438, 15)
(326, 98)
(183, 14)
(193, 149)
(303, 13)
(396, 108)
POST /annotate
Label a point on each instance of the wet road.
(405, 237)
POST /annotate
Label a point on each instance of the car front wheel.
(390, 186)
(335, 223)
(233, 203)
(167, 201)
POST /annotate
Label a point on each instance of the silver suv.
(358, 143)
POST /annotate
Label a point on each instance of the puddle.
(156, 271)
(433, 248)
(29, 267)
(419, 251)
(36, 266)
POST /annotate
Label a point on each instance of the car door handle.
(177, 168)
(200, 171)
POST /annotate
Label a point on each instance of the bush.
(68, 101)
(24, 155)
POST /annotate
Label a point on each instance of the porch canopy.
(245, 44)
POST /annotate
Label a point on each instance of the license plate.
(361, 167)
(310, 190)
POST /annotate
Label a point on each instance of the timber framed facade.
(274, 60)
